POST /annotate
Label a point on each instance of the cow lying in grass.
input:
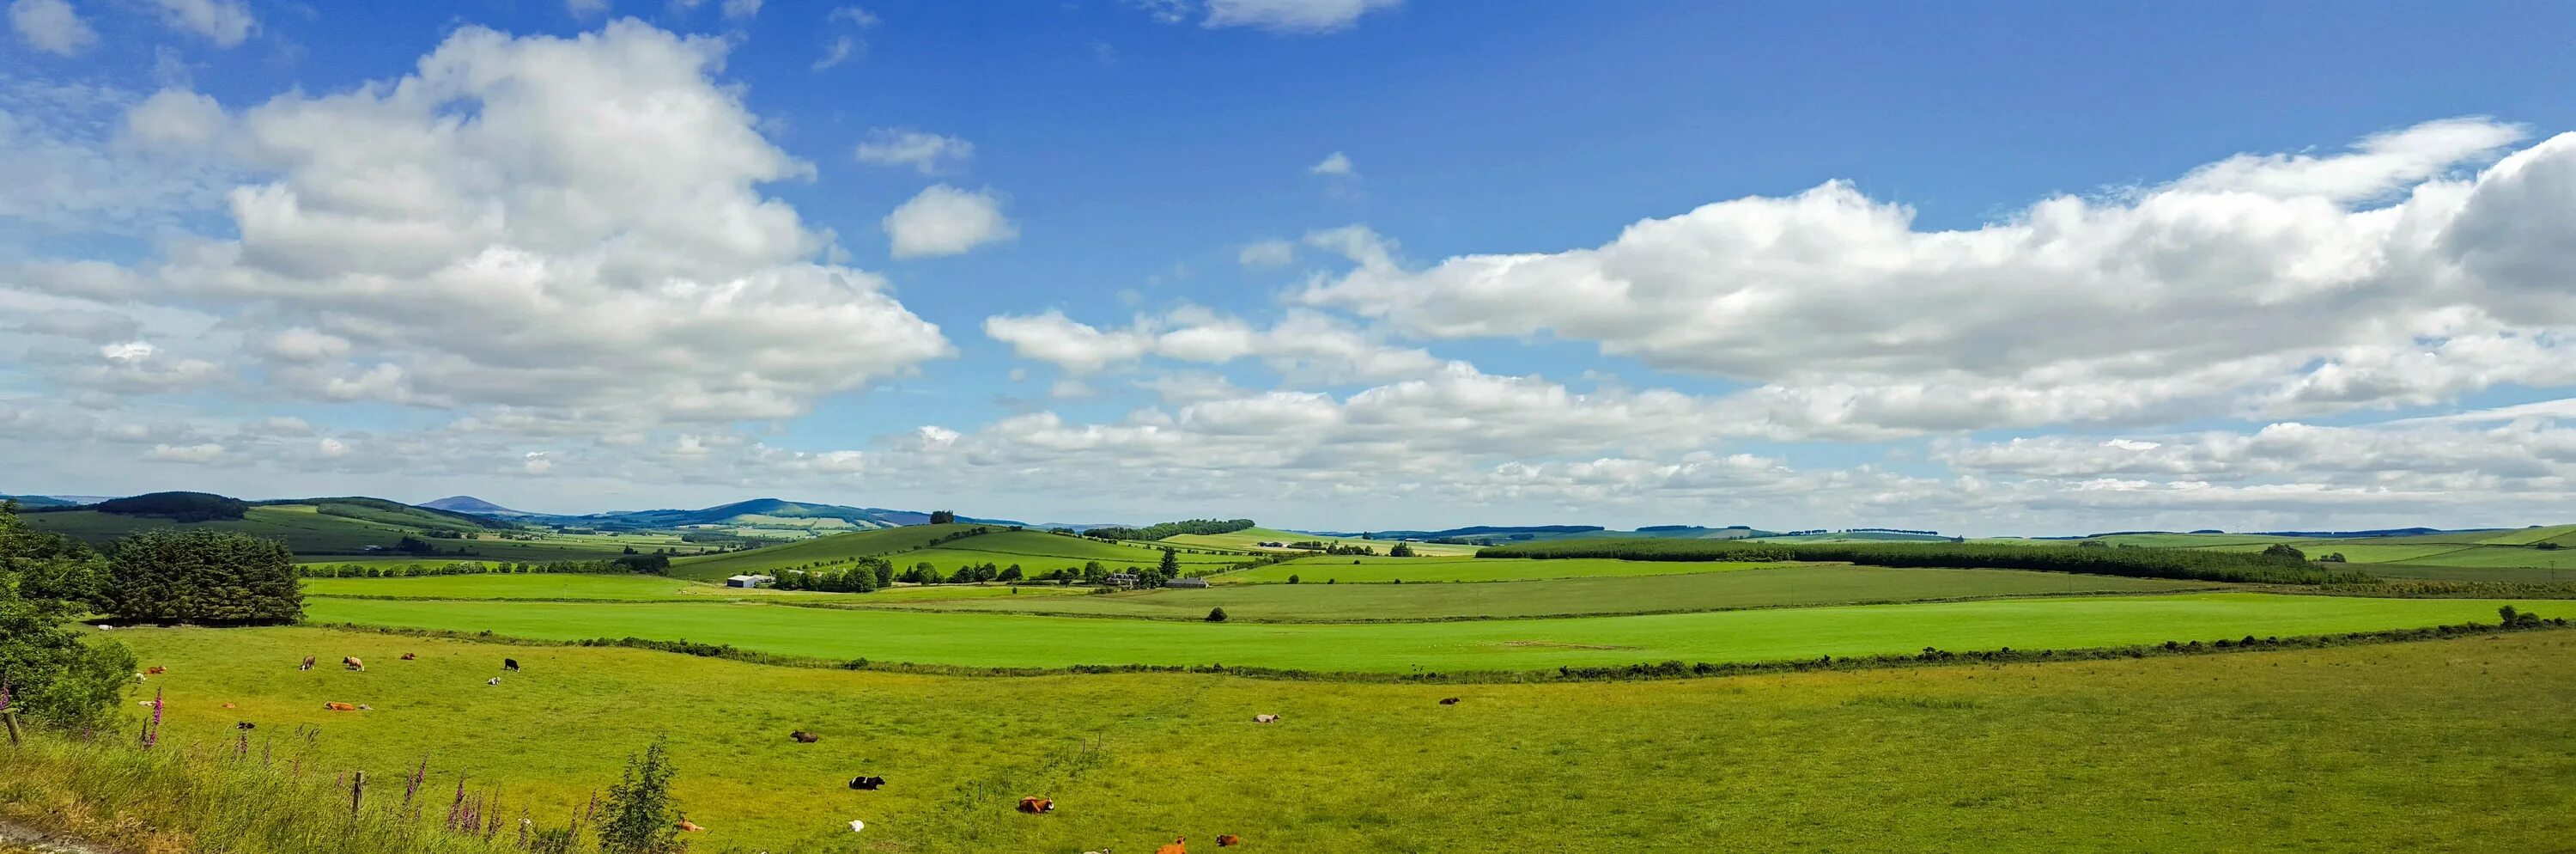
(867, 784)
(803, 737)
(1035, 806)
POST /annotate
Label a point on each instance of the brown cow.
(408, 656)
(308, 663)
(1228, 840)
(691, 826)
(1176, 847)
(340, 707)
(803, 737)
(1448, 701)
(1034, 806)
(156, 671)
(353, 663)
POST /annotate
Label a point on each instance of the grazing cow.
(156, 671)
(245, 725)
(340, 707)
(1265, 719)
(1176, 847)
(867, 784)
(691, 826)
(509, 664)
(1228, 840)
(353, 663)
(1034, 806)
(365, 708)
(803, 737)
(228, 705)
(857, 825)
(408, 656)
(1448, 701)
(308, 663)
(492, 681)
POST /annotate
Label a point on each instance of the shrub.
(1292, 578)
(49, 673)
(1216, 615)
(642, 818)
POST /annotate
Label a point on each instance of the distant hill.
(758, 512)
(33, 501)
(472, 505)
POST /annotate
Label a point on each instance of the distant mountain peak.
(471, 504)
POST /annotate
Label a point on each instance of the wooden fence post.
(357, 789)
(11, 717)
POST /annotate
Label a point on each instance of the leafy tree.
(53, 676)
(1292, 579)
(416, 545)
(943, 517)
(642, 817)
(1171, 565)
(1400, 550)
(2285, 551)
(203, 576)
(2331, 557)
(1216, 615)
(1010, 573)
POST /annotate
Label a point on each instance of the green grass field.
(996, 640)
(802, 553)
(1379, 570)
(1250, 539)
(1037, 551)
(642, 588)
(2423, 746)
(1771, 586)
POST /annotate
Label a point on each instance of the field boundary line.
(1658, 670)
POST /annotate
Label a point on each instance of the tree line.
(2195, 564)
(54, 676)
(1169, 529)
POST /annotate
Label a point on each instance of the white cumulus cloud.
(51, 26)
(945, 220)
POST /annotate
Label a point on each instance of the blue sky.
(1329, 263)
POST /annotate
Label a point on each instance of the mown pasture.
(1385, 570)
(1250, 539)
(2415, 746)
(1765, 587)
(944, 546)
(1004, 640)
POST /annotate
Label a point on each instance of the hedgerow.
(2197, 565)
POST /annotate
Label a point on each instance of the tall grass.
(246, 797)
(2197, 565)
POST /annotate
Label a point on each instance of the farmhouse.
(749, 580)
(1199, 583)
(1122, 580)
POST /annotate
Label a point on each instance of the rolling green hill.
(321, 529)
(1250, 539)
(819, 551)
(1034, 551)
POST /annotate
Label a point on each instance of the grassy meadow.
(639, 588)
(1006, 640)
(2418, 746)
(1384, 570)
(1764, 587)
(1250, 539)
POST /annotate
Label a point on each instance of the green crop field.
(639, 588)
(2390, 747)
(1772, 586)
(770, 559)
(996, 640)
(1036, 550)
(1379, 570)
(1250, 539)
